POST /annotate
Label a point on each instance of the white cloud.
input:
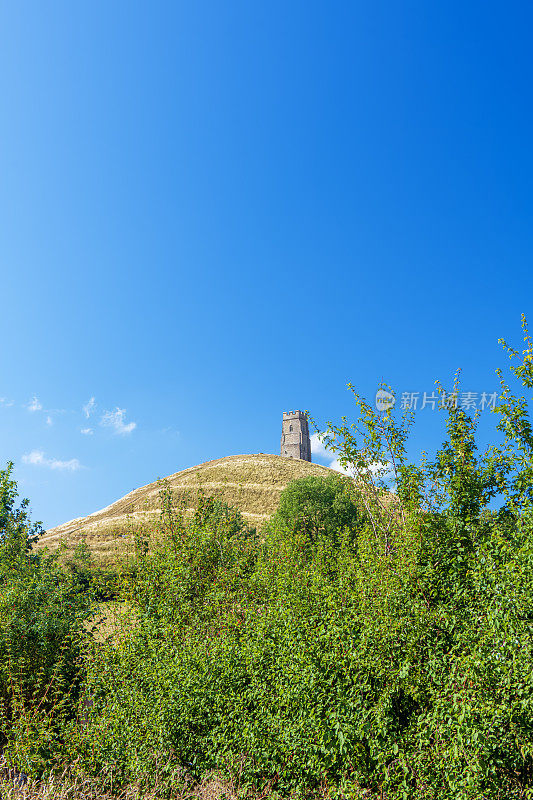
(115, 419)
(89, 407)
(382, 470)
(49, 420)
(338, 467)
(318, 448)
(5, 402)
(38, 459)
(87, 431)
(34, 405)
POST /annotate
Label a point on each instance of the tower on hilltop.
(295, 441)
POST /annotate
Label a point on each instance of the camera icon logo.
(384, 400)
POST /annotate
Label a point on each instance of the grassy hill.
(253, 483)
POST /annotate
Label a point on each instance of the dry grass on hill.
(253, 483)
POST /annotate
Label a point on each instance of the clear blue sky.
(213, 212)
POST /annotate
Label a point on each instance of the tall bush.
(42, 608)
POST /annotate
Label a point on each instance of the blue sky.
(214, 212)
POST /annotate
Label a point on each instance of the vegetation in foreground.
(353, 648)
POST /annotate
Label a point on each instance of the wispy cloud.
(5, 402)
(115, 420)
(34, 405)
(38, 459)
(49, 420)
(170, 431)
(87, 431)
(89, 407)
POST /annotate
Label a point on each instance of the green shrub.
(101, 583)
(42, 609)
(320, 507)
(192, 571)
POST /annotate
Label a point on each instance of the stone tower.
(295, 441)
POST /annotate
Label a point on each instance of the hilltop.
(253, 483)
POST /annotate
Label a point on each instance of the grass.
(69, 785)
(251, 482)
(109, 619)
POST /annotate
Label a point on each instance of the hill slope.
(253, 483)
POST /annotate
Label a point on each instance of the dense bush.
(319, 507)
(102, 583)
(42, 609)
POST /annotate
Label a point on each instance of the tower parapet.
(295, 441)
